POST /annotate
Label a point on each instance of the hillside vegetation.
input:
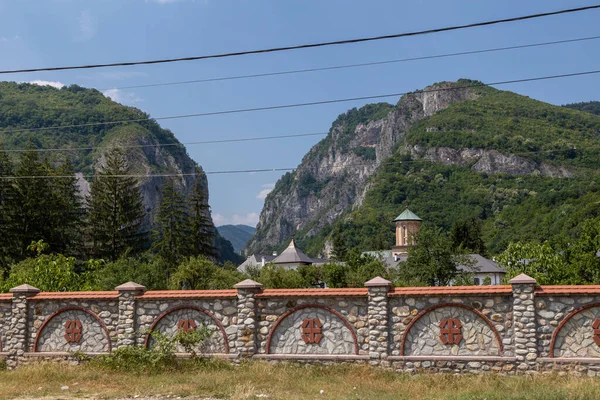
(526, 168)
(238, 235)
(37, 117)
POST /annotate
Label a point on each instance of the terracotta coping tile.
(568, 289)
(6, 296)
(113, 294)
(449, 290)
(187, 294)
(313, 292)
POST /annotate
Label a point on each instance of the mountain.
(29, 114)
(528, 169)
(238, 235)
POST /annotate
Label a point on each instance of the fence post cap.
(248, 284)
(130, 287)
(25, 288)
(522, 279)
(378, 281)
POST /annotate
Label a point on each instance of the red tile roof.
(449, 290)
(187, 294)
(313, 292)
(568, 289)
(6, 296)
(113, 294)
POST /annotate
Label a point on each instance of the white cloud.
(121, 96)
(55, 84)
(236, 219)
(268, 188)
(5, 39)
(87, 26)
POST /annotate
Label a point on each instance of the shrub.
(158, 358)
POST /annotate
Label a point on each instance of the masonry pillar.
(378, 319)
(524, 322)
(247, 324)
(126, 323)
(16, 345)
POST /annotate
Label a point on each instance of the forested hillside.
(35, 118)
(587, 106)
(238, 235)
(526, 168)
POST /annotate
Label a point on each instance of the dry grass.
(259, 380)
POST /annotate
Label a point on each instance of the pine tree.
(115, 209)
(172, 226)
(8, 243)
(203, 232)
(67, 211)
(32, 201)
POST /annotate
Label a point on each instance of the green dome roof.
(407, 215)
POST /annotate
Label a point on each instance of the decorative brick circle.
(188, 307)
(303, 306)
(71, 308)
(458, 305)
(564, 321)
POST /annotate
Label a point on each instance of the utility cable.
(137, 146)
(309, 45)
(223, 172)
(337, 67)
(312, 103)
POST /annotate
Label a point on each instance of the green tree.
(33, 201)
(432, 261)
(203, 232)
(200, 273)
(466, 235)
(172, 227)
(8, 243)
(357, 269)
(538, 260)
(115, 208)
(146, 269)
(278, 277)
(66, 211)
(48, 272)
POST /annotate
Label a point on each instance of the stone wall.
(5, 315)
(517, 328)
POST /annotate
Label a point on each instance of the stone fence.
(516, 328)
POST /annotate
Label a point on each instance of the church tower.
(408, 225)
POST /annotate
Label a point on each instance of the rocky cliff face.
(146, 157)
(333, 176)
(30, 113)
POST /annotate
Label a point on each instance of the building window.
(404, 235)
(476, 281)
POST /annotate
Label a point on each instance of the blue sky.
(59, 32)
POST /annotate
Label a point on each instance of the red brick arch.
(71, 308)
(303, 306)
(185, 307)
(456, 305)
(564, 321)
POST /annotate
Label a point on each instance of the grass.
(218, 380)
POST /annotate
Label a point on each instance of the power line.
(167, 144)
(223, 172)
(312, 103)
(336, 67)
(310, 45)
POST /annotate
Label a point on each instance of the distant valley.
(238, 235)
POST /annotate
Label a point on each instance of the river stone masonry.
(521, 328)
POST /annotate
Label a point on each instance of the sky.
(64, 32)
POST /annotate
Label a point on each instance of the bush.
(160, 357)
